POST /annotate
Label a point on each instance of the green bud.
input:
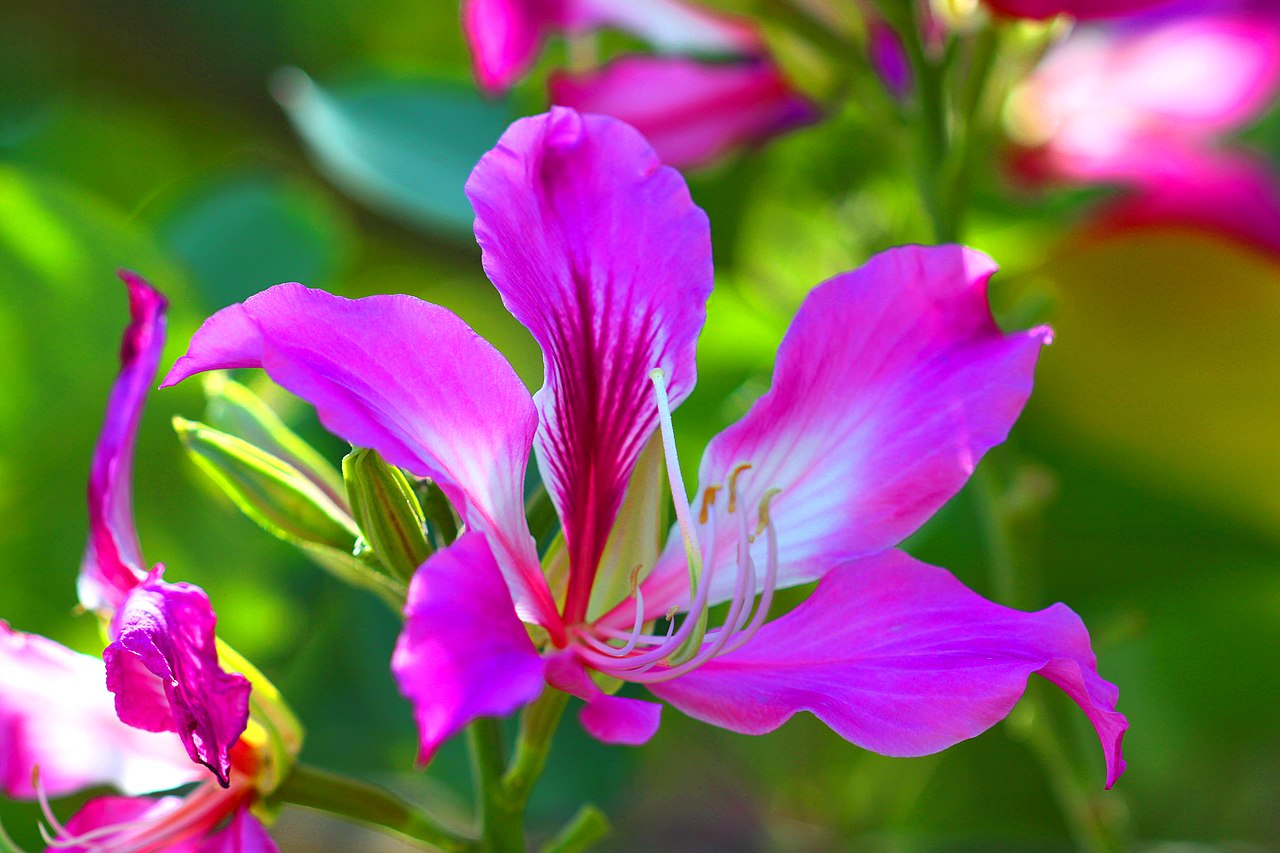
(267, 489)
(387, 512)
(233, 408)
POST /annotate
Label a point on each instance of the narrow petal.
(597, 249)
(505, 37)
(890, 385)
(55, 712)
(113, 563)
(408, 379)
(162, 666)
(463, 653)
(1081, 9)
(609, 719)
(900, 658)
(691, 112)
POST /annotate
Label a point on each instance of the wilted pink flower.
(1145, 105)
(890, 385)
(162, 662)
(56, 706)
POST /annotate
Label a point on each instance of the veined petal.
(173, 824)
(691, 112)
(890, 385)
(463, 653)
(408, 379)
(113, 563)
(55, 712)
(162, 666)
(900, 658)
(598, 249)
(609, 719)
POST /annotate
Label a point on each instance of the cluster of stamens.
(642, 657)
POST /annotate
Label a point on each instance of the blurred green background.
(151, 135)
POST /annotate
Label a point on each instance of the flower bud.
(387, 512)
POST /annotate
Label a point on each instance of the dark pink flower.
(1146, 106)
(891, 384)
(691, 112)
(1081, 9)
(162, 662)
(506, 36)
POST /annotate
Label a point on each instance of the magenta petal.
(167, 631)
(55, 712)
(599, 251)
(673, 26)
(1081, 9)
(505, 37)
(408, 379)
(691, 112)
(890, 385)
(243, 834)
(901, 658)
(463, 653)
(113, 562)
(609, 719)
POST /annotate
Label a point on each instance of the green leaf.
(247, 232)
(402, 147)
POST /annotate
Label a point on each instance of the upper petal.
(55, 712)
(113, 562)
(408, 379)
(691, 112)
(597, 249)
(162, 666)
(890, 385)
(901, 658)
(463, 653)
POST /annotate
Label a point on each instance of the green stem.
(537, 726)
(501, 817)
(367, 804)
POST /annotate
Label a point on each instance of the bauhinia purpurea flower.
(890, 385)
(158, 711)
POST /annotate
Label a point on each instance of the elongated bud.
(387, 512)
(233, 408)
(268, 489)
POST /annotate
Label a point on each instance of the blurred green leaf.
(403, 147)
(243, 233)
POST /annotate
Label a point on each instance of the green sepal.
(233, 408)
(387, 512)
(587, 827)
(267, 489)
(270, 717)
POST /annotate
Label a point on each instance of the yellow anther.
(764, 510)
(708, 498)
(733, 483)
(635, 578)
(671, 614)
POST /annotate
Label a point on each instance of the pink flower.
(691, 111)
(1145, 105)
(890, 385)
